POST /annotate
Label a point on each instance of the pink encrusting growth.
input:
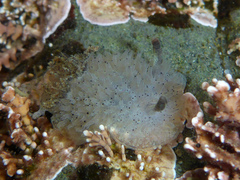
(218, 142)
(103, 12)
(25, 25)
(41, 150)
(234, 46)
(156, 163)
(111, 12)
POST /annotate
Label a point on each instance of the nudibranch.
(142, 105)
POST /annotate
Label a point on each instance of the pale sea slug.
(141, 105)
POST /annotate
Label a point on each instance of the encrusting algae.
(142, 106)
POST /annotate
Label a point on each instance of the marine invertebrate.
(234, 46)
(142, 105)
(28, 146)
(218, 142)
(149, 164)
(202, 16)
(43, 152)
(24, 26)
(110, 12)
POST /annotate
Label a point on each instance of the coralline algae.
(142, 105)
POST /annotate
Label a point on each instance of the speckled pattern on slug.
(141, 105)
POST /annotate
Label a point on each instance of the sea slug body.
(141, 105)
